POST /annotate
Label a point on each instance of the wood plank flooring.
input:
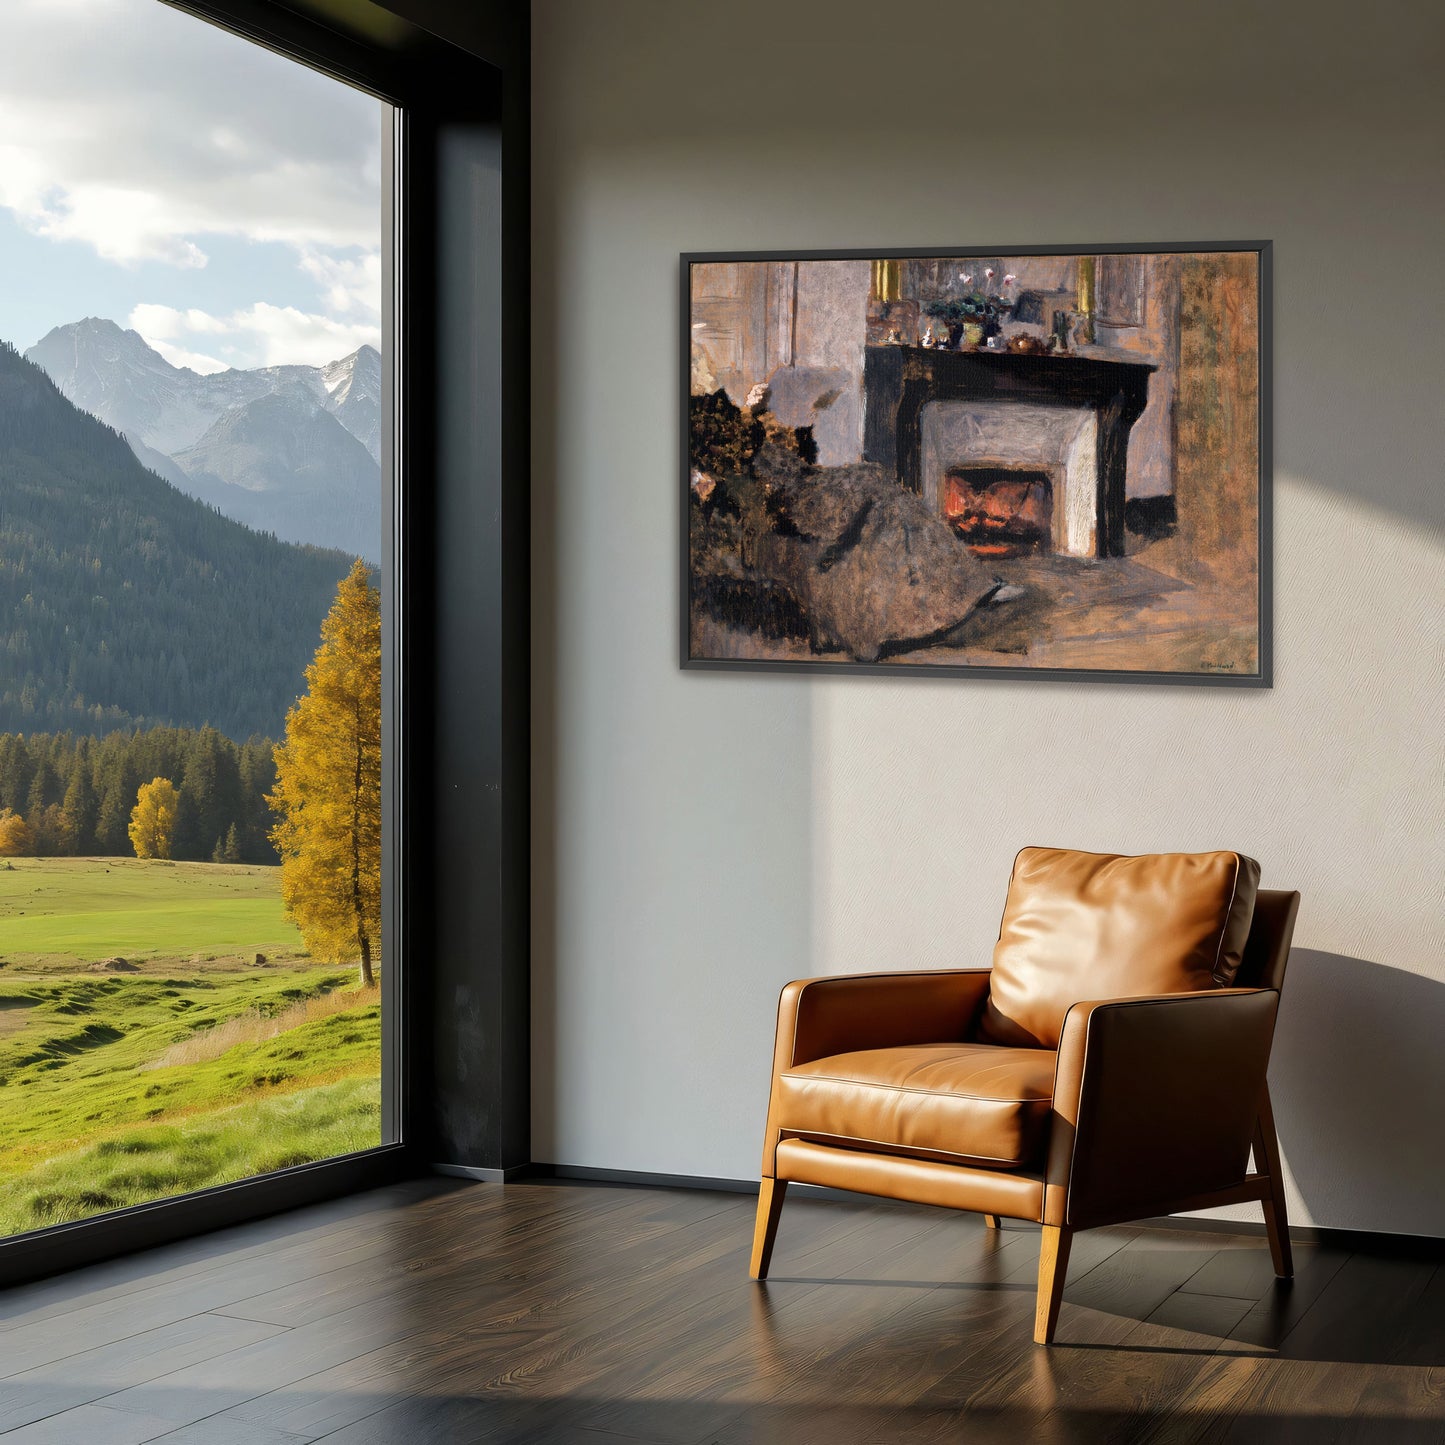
(438, 1311)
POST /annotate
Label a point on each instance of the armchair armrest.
(1155, 1101)
(819, 1017)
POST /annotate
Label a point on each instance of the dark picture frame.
(1102, 357)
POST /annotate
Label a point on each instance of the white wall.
(703, 838)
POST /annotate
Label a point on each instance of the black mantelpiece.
(899, 381)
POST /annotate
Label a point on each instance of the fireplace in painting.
(928, 411)
(1000, 511)
(1009, 454)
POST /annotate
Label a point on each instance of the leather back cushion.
(1082, 926)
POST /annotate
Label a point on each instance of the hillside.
(124, 602)
(283, 464)
(181, 424)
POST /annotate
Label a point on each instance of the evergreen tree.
(327, 796)
(187, 838)
(80, 810)
(47, 831)
(45, 786)
(15, 771)
(122, 776)
(257, 766)
(211, 778)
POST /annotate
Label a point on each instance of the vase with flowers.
(978, 312)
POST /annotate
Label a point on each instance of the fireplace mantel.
(899, 381)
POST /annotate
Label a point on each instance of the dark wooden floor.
(550, 1312)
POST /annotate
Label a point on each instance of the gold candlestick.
(1088, 271)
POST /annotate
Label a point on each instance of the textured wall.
(700, 839)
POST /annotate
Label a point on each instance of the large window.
(193, 486)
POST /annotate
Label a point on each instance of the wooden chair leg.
(1266, 1160)
(1053, 1266)
(765, 1230)
(991, 1221)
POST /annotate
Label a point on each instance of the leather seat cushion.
(1079, 926)
(965, 1103)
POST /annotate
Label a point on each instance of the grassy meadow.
(162, 1029)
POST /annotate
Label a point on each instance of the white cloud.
(141, 131)
(192, 360)
(257, 335)
(121, 225)
(151, 137)
(167, 321)
(349, 284)
(165, 327)
(291, 335)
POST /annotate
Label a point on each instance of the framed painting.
(997, 462)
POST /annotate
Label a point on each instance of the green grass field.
(79, 910)
(198, 1067)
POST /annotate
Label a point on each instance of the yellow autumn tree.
(327, 797)
(14, 834)
(153, 819)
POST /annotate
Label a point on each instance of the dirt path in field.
(13, 1014)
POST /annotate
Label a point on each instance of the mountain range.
(292, 450)
(125, 602)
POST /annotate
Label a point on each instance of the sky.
(155, 170)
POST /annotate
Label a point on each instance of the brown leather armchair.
(1110, 1066)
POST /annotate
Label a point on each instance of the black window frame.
(455, 1051)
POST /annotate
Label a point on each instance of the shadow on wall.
(673, 814)
(1358, 1083)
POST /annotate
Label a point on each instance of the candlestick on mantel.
(1087, 289)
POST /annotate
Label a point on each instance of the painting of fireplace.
(1012, 461)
